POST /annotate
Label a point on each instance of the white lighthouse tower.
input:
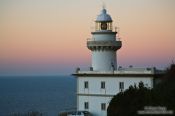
(104, 44)
(96, 87)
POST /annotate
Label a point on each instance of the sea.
(48, 95)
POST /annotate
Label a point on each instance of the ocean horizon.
(45, 94)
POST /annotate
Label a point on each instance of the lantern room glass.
(99, 28)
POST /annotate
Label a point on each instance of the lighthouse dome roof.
(104, 17)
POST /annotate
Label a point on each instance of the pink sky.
(49, 36)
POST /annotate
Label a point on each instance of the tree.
(127, 103)
(165, 91)
(131, 100)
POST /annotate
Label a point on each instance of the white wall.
(101, 60)
(112, 84)
(95, 95)
(94, 104)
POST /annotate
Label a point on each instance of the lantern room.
(103, 21)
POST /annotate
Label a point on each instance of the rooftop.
(104, 17)
(122, 72)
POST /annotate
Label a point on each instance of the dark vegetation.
(127, 103)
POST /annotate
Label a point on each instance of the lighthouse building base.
(95, 89)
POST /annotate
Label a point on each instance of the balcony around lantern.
(109, 30)
(115, 45)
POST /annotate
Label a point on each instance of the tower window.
(86, 105)
(103, 106)
(121, 85)
(86, 84)
(102, 85)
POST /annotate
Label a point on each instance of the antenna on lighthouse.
(103, 4)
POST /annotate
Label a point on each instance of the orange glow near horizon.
(42, 33)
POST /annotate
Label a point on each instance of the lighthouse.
(104, 43)
(97, 86)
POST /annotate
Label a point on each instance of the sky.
(49, 36)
